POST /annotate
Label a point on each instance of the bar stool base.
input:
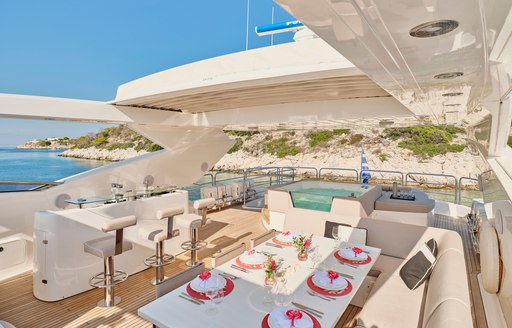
(103, 304)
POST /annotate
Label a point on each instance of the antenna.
(272, 35)
(247, 26)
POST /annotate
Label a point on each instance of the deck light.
(452, 94)
(450, 75)
(434, 28)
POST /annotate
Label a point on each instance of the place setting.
(288, 317)
(208, 286)
(251, 260)
(352, 255)
(283, 239)
(328, 284)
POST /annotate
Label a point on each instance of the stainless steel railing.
(18, 186)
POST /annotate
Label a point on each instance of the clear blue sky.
(85, 49)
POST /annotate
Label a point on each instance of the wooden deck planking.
(228, 227)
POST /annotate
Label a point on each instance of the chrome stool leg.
(110, 299)
(193, 246)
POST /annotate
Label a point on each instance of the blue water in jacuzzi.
(319, 199)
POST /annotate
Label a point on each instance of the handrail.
(456, 188)
(459, 199)
(382, 171)
(338, 169)
(306, 168)
(39, 185)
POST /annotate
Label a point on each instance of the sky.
(85, 49)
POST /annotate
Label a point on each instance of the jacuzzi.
(334, 198)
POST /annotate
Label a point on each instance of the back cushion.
(450, 314)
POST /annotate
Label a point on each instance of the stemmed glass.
(219, 297)
(211, 293)
(283, 295)
(315, 258)
(336, 232)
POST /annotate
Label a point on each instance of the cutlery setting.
(310, 310)
(191, 300)
(239, 268)
(273, 245)
(229, 276)
(324, 297)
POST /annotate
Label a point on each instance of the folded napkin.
(253, 257)
(323, 278)
(350, 253)
(286, 236)
(206, 280)
(281, 320)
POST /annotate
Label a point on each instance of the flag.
(365, 175)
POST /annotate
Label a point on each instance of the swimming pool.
(320, 199)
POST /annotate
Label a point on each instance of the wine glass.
(219, 297)
(315, 258)
(336, 235)
(211, 292)
(283, 296)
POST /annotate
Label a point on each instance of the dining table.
(248, 303)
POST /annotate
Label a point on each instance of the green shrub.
(355, 139)
(44, 143)
(281, 147)
(82, 142)
(99, 141)
(154, 147)
(321, 137)
(428, 140)
(383, 157)
(237, 146)
(237, 133)
(509, 141)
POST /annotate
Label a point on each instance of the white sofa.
(443, 301)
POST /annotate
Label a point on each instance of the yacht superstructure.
(419, 62)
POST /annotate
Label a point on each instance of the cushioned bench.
(443, 301)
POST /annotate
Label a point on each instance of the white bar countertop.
(244, 306)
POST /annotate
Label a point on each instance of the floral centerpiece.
(271, 270)
(302, 244)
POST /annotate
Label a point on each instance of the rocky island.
(426, 149)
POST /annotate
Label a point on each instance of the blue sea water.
(40, 165)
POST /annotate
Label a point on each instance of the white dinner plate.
(329, 286)
(361, 257)
(305, 316)
(196, 285)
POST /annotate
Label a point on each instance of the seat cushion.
(188, 221)
(153, 233)
(392, 305)
(450, 314)
(105, 246)
(387, 265)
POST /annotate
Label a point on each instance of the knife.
(239, 268)
(307, 308)
(191, 301)
(192, 298)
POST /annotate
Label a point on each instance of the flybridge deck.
(228, 227)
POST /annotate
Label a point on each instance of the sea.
(41, 165)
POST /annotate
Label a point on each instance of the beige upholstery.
(205, 202)
(169, 212)
(156, 233)
(6, 324)
(119, 223)
(422, 203)
(448, 314)
(105, 246)
(392, 304)
(489, 258)
(352, 235)
(171, 283)
(261, 238)
(188, 221)
(226, 255)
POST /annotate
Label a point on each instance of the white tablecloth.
(244, 306)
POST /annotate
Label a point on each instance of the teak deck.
(228, 227)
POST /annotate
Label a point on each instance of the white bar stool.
(156, 234)
(192, 222)
(106, 248)
(202, 205)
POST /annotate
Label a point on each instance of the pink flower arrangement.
(251, 252)
(333, 275)
(301, 243)
(293, 315)
(205, 275)
(272, 266)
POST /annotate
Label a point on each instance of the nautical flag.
(365, 175)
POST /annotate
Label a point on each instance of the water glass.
(315, 258)
(211, 293)
(283, 296)
(219, 297)
(336, 232)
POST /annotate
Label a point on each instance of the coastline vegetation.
(428, 140)
(321, 137)
(509, 141)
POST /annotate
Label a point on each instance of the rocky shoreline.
(93, 153)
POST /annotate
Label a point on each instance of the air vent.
(434, 28)
(452, 94)
(451, 75)
(452, 105)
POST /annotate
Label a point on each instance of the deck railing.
(451, 189)
(18, 186)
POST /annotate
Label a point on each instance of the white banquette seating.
(443, 301)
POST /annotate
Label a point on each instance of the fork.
(327, 298)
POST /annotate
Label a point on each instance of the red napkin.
(357, 250)
(205, 275)
(293, 315)
(333, 275)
